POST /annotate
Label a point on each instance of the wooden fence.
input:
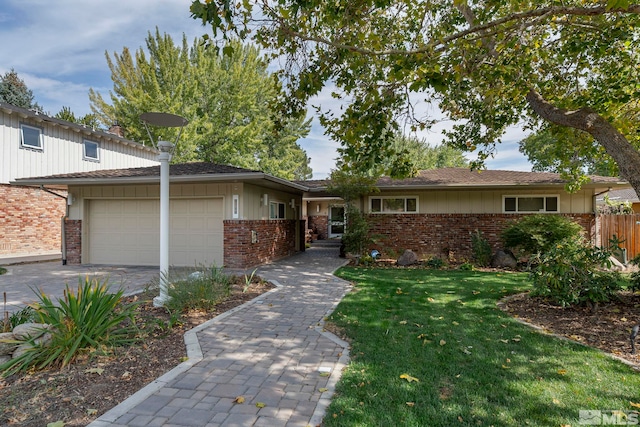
(624, 227)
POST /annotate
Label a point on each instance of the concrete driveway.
(22, 280)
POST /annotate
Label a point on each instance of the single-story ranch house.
(34, 144)
(240, 218)
(435, 212)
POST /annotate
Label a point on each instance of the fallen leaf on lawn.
(411, 404)
(505, 341)
(323, 389)
(556, 401)
(404, 322)
(505, 367)
(635, 405)
(454, 323)
(430, 299)
(260, 405)
(623, 319)
(442, 342)
(465, 351)
(421, 336)
(515, 339)
(409, 378)
(398, 291)
(562, 371)
(475, 292)
(98, 371)
(239, 399)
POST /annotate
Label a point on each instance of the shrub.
(356, 238)
(88, 319)
(481, 249)
(537, 234)
(435, 263)
(200, 290)
(572, 273)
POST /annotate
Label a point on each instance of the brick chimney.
(116, 129)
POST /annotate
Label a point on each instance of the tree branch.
(482, 29)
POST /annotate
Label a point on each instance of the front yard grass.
(430, 348)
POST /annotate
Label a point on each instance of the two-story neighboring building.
(33, 144)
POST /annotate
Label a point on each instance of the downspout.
(63, 234)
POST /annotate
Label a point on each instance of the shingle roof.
(464, 177)
(191, 169)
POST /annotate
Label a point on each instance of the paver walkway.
(271, 351)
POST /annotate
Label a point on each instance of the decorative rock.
(7, 344)
(29, 330)
(22, 349)
(504, 259)
(407, 258)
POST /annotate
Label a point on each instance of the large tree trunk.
(586, 119)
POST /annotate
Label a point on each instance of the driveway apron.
(271, 351)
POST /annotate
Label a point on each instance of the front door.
(336, 221)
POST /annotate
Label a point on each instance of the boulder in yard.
(408, 258)
(504, 259)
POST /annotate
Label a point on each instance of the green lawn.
(472, 364)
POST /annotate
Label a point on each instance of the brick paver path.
(271, 351)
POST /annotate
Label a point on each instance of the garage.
(126, 232)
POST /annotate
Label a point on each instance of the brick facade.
(30, 220)
(446, 235)
(275, 239)
(73, 234)
(320, 224)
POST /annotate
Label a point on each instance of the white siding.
(62, 150)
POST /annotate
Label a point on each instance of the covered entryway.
(126, 232)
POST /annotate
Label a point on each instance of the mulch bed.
(608, 327)
(93, 384)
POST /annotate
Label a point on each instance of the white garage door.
(127, 232)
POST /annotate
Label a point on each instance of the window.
(393, 204)
(91, 151)
(235, 207)
(276, 210)
(31, 137)
(530, 203)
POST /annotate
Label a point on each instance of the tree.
(65, 113)
(488, 64)
(423, 156)
(14, 91)
(228, 100)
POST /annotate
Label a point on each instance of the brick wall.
(321, 224)
(30, 220)
(73, 230)
(276, 239)
(446, 235)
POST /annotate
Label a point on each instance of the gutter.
(63, 234)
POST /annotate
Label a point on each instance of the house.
(33, 144)
(219, 215)
(616, 197)
(435, 212)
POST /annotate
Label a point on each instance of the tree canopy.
(488, 65)
(14, 91)
(229, 101)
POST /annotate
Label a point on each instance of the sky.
(58, 49)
